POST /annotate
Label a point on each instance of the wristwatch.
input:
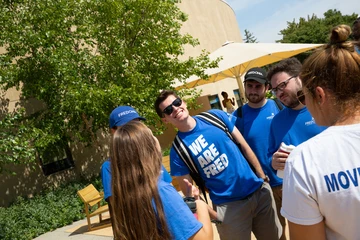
(266, 178)
(190, 201)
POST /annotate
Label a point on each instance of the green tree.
(249, 37)
(314, 29)
(81, 59)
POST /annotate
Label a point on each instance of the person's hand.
(278, 160)
(192, 191)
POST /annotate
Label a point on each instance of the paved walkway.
(78, 231)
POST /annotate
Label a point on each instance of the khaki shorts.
(256, 213)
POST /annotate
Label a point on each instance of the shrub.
(166, 151)
(53, 208)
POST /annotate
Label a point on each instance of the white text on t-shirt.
(209, 158)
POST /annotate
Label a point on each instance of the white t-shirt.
(322, 181)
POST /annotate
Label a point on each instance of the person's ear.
(320, 95)
(298, 81)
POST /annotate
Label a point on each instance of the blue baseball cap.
(122, 115)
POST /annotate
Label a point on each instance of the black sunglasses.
(301, 97)
(169, 109)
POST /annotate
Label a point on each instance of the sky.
(265, 18)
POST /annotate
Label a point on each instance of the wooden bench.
(91, 197)
(166, 163)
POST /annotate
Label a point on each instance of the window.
(56, 158)
(215, 102)
(237, 97)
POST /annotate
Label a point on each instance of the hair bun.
(340, 34)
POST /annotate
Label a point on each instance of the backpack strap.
(183, 153)
(217, 122)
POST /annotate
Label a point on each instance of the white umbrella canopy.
(237, 58)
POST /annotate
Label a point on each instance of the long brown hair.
(135, 166)
(336, 68)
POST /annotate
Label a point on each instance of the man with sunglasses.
(292, 126)
(243, 200)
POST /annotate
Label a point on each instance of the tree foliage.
(249, 37)
(83, 58)
(15, 144)
(314, 29)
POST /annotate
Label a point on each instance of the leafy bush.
(166, 151)
(54, 208)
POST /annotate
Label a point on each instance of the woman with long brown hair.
(145, 206)
(321, 193)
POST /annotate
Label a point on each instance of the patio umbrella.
(237, 58)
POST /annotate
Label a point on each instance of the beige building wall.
(213, 22)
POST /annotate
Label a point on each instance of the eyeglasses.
(169, 109)
(282, 85)
(301, 97)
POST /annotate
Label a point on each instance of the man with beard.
(292, 126)
(254, 118)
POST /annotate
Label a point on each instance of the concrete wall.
(213, 22)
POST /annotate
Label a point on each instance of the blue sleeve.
(165, 175)
(181, 221)
(106, 178)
